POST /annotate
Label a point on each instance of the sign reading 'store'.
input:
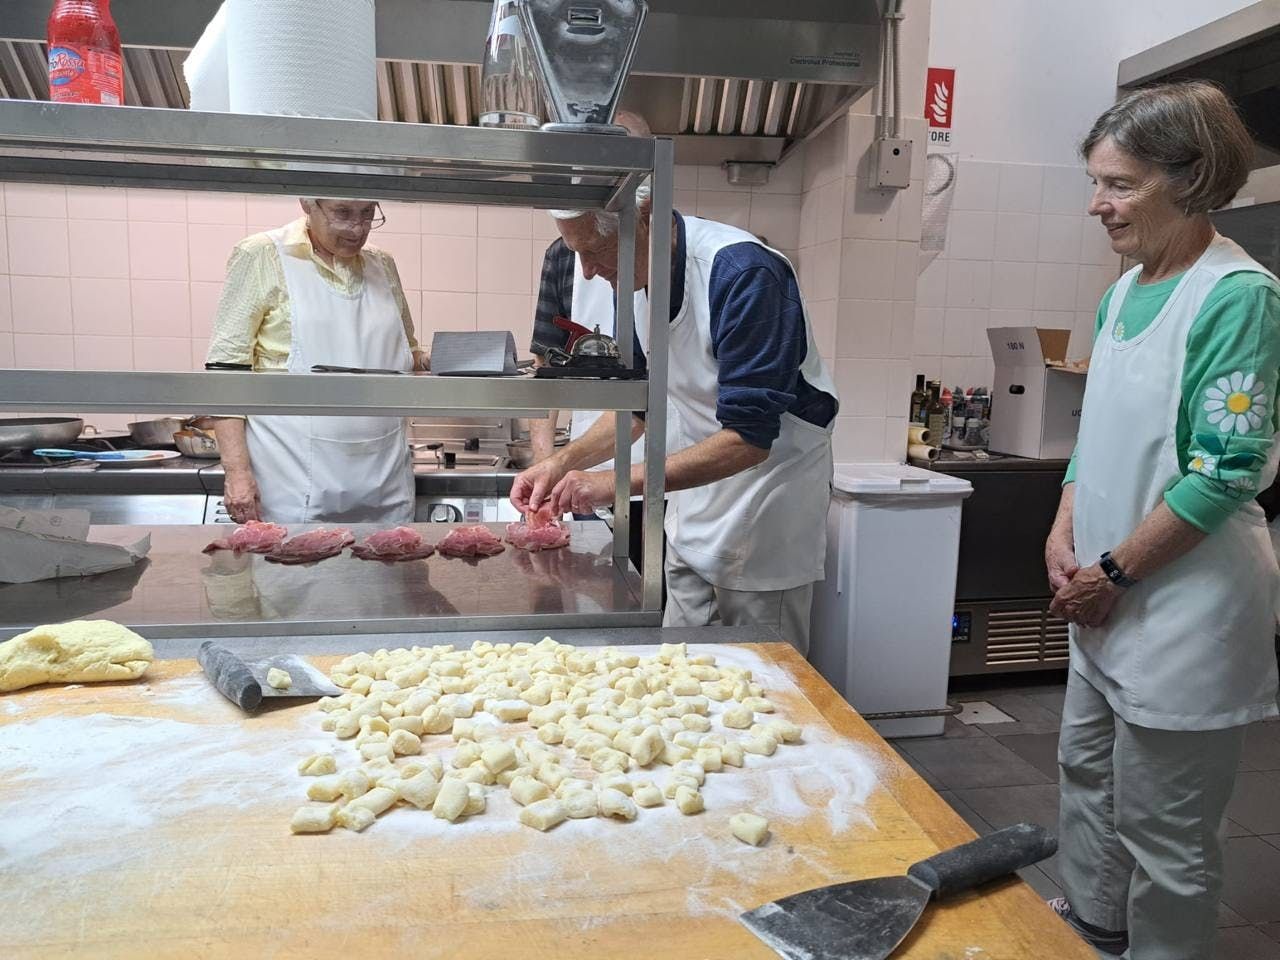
(939, 103)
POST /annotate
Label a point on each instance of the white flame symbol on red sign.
(941, 103)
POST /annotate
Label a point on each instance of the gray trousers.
(1140, 829)
(693, 602)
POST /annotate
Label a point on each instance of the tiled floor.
(995, 774)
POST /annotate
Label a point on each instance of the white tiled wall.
(859, 248)
(1020, 251)
(125, 279)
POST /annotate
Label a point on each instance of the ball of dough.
(84, 651)
(749, 828)
(279, 679)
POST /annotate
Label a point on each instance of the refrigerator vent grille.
(1026, 636)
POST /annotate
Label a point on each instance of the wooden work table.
(150, 819)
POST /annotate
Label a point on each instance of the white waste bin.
(881, 625)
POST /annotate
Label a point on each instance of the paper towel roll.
(206, 67)
(307, 58)
(922, 451)
(918, 434)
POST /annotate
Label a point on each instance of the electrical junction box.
(893, 163)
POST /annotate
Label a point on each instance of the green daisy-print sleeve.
(1229, 389)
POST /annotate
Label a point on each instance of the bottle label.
(85, 76)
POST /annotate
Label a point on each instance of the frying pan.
(27, 433)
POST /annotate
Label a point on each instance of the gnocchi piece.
(689, 801)
(589, 743)
(380, 770)
(317, 765)
(412, 723)
(467, 753)
(615, 781)
(279, 679)
(457, 705)
(685, 686)
(608, 759)
(403, 743)
(509, 711)
(572, 785)
(376, 749)
(758, 705)
(647, 795)
(692, 769)
(355, 819)
(551, 733)
(749, 828)
(673, 753)
(783, 731)
(476, 801)
(580, 804)
(314, 819)
(709, 758)
(616, 804)
(731, 754)
(675, 782)
(647, 746)
(361, 811)
(347, 726)
(354, 783)
(329, 723)
(477, 773)
(371, 725)
(326, 789)
(526, 790)
(552, 774)
(543, 814)
(420, 790)
(687, 738)
(451, 800)
(739, 718)
(696, 722)
(435, 720)
(550, 713)
(499, 757)
(760, 746)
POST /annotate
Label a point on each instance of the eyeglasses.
(343, 218)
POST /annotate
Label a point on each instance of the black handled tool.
(245, 684)
(867, 919)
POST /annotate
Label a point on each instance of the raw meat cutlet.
(312, 546)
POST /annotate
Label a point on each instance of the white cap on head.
(607, 222)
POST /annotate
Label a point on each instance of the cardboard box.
(1035, 404)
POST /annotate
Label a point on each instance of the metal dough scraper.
(244, 682)
(868, 919)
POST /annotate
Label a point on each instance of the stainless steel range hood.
(1241, 51)
(728, 79)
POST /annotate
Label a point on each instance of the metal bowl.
(194, 443)
(29, 433)
(155, 433)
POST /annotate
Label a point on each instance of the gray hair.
(607, 221)
(1191, 131)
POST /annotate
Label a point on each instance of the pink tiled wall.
(144, 268)
(123, 279)
(1020, 251)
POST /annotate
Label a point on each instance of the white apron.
(336, 469)
(1192, 646)
(592, 306)
(766, 527)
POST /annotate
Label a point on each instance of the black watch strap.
(1114, 573)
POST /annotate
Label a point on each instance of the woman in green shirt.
(1159, 557)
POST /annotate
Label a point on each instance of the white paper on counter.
(47, 544)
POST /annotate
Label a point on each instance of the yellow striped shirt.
(252, 324)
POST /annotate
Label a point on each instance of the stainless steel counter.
(177, 648)
(180, 592)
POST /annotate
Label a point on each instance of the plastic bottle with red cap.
(85, 62)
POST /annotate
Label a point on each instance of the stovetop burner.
(27, 459)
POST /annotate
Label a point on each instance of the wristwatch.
(1114, 573)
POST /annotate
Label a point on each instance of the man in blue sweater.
(750, 412)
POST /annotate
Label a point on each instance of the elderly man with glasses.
(312, 292)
